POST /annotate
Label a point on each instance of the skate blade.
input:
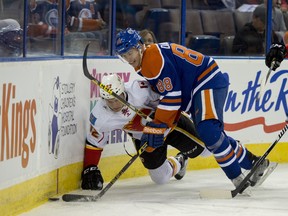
(266, 174)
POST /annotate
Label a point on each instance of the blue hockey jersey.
(177, 73)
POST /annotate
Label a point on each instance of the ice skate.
(183, 160)
(263, 171)
(237, 181)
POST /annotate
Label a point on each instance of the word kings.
(18, 128)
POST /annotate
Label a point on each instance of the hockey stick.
(93, 198)
(89, 198)
(226, 194)
(264, 81)
(123, 101)
(108, 90)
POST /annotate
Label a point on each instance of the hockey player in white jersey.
(110, 114)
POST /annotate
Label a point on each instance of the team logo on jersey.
(85, 13)
(152, 130)
(51, 17)
(126, 112)
(143, 84)
(94, 132)
(130, 31)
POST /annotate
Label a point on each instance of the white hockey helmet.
(113, 82)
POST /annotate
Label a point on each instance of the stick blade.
(215, 194)
(79, 198)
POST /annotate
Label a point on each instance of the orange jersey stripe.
(171, 101)
(152, 62)
(208, 70)
(222, 159)
(209, 114)
(240, 151)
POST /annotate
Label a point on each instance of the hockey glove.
(276, 54)
(92, 178)
(153, 134)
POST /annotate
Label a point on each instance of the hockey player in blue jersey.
(192, 82)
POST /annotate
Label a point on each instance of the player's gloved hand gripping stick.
(273, 59)
(89, 198)
(93, 198)
(160, 138)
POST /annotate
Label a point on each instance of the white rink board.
(37, 86)
(256, 121)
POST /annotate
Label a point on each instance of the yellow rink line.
(32, 193)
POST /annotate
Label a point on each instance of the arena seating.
(163, 17)
(206, 44)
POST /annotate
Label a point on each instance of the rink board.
(32, 170)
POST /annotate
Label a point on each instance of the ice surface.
(141, 197)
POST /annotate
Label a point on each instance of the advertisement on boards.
(44, 111)
(247, 117)
(45, 107)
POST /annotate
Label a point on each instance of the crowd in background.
(90, 20)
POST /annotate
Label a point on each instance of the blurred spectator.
(83, 16)
(10, 38)
(43, 20)
(129, 17)
(83, 22)
(147, 36)
(125, 15)
(278, 23)
(250, 39)
(283, 5)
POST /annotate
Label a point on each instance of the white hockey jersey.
(103, 120)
